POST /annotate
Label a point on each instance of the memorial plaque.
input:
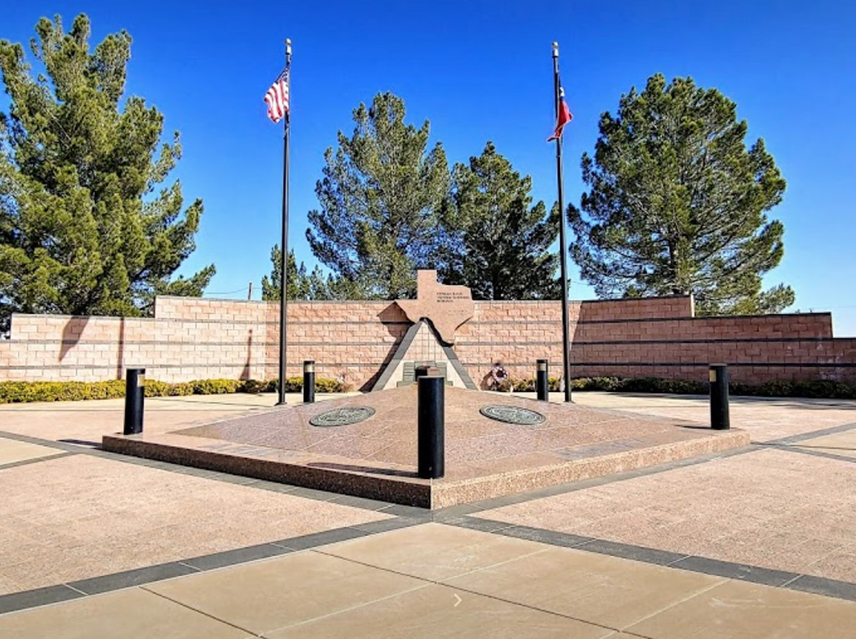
(447, 307)
(342, 416)
(513, 415)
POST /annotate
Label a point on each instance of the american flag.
(276, 97)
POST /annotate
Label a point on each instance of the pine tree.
(497, 242)
(302, 285)
(83, 228)
(380, 196)
(677, 203)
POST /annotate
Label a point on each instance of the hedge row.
(817, 388)
(15, 392)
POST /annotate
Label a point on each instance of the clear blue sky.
(482, 71)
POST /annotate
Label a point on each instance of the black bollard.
(719, 419)
(135, 392)
(541, 381)
(309, 381)
(431, 425)
(420, 371)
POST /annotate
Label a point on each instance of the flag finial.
(555, 49)
(288, 46)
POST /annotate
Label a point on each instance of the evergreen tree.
(380, 196)
(301, 284)
(677, 203)
(82, 228)
(497, 242)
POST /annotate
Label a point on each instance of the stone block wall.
(653, 337)
(192, 338)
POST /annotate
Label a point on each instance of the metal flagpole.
(566, 338)
(283, 279)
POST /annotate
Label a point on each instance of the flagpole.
(283, 279)
(566, 338)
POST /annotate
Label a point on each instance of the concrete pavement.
(754, 544)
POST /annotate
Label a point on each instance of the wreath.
(498, 376)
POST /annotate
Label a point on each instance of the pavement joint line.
(44, 596)
(196, 610)
(323, 538)
(679, 602)
(48, 443)
(76, 589)
(184, 563)
(355, 606)
(792, 439)
(133, 577)
(36, 460)
(825, 587)
(192, 471)
(814, 453)
(790, 581)
(118, 576)
(821, 585)
(537, 609)
(433, 581)
(561, 540)
(671, 565)
(438, 582)
(823, 448)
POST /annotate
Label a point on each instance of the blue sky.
(482, 71)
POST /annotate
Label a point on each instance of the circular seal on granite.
(342, 416)
(513, 415)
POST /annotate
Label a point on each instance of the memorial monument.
(366, 445)
(436, 313)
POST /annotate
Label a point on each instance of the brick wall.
(203, 338)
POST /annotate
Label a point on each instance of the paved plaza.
(752, 542)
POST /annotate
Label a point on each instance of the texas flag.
(565, 116)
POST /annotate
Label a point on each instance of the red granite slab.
(485, 458)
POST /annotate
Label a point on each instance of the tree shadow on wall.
(245, 374)
(73, 331)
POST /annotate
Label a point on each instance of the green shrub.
(22, 392)
(815, 388)
(825, 388)
(326, 385)
(13, 392)
(253, 386)
(527, 385)
(523, 385)
(215, 386)
(154, 388)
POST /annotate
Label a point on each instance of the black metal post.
(283, 280)
(563, 244)
(719, 419)
(541, 381)
(135, 392)
(309, 381)
(431, 425)
(420, 371)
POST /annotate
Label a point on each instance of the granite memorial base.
(495, 445)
